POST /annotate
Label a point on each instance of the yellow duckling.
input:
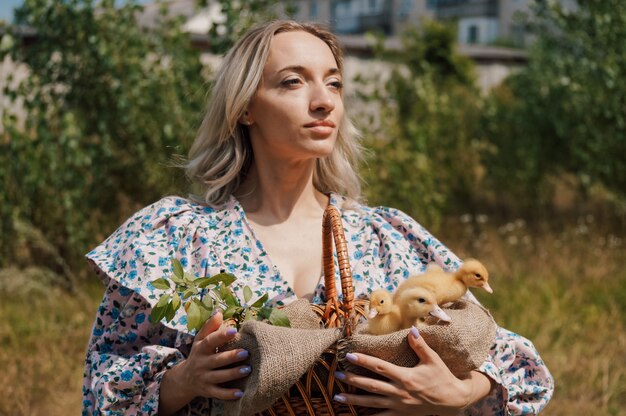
(449, 287)
(416, 304)
(384, 316)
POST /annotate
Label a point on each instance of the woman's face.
(297, 109)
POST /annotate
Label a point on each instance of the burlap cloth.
(281, 356)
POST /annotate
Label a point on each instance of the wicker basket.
(313, 394)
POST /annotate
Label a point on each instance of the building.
(482, 22)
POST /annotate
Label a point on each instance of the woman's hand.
(202, 372)
(426, 389)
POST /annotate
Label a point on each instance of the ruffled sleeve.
(127, 354)
(523, 383)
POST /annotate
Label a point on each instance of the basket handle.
(332, 228)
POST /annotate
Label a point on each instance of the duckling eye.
(478, 276)
(382, 301)
(421, 300)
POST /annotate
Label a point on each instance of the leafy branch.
(183, 288)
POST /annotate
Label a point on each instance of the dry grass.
(566, 291)
(43, 336)
(563, 289)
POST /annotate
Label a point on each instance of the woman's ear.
(246, 120)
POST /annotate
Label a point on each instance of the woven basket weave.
(313, 394)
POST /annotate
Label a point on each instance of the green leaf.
(188, 277)
(225, 278)
(158, 311)
(227, 296)
(208, 303)
(261, 301)
(205, 312)
(170, 312)
(194, 317)
(249, 315)
(264, 313)
(161, 283)
(279, 318)
(230, 311)
(178, 268)
(175, 302)
(179, 281)
(189, 292)
(247, 294)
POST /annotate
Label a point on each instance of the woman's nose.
(322, 99)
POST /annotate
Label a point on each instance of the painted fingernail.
(243, 354)
(351, 357)
(231, 331)
(339, 398)
(245, 370)
(415, 332)
(340, 375)
(238, 394)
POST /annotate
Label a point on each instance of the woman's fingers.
(228, 374)
(222, 393)
(374, 364)
(372, 385)
(210, 326)
(225, 358)
(421, 348)
(379, 402)
(216, 339)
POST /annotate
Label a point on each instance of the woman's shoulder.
(173, 207)
(395, 230)
(378, 216)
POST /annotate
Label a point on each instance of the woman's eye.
(337, 84)
(290, 82)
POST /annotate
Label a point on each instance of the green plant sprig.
(215, 293)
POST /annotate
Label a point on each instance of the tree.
(108, 104)
(565, 111)
(426, 157)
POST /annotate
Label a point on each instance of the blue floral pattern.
(128, 355)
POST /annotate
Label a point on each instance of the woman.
(274, 150)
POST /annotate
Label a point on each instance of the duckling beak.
(487, 288)
(439, 313)
(372, 314)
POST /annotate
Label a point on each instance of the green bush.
(564, 112)
(107, 104)
(425, 155)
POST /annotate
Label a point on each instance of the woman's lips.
(321, 127)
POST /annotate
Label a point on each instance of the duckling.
(384, 316)
(449, 287)
(416, 304)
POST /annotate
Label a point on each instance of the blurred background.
(500, 125)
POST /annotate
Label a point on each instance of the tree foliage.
(108, 104)
(564, 112)
(426, 148)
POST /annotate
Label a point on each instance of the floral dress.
(127, 355)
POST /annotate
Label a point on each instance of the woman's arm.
(522, 384)
(127, 356)
(130, 362)
(201, 374)
(428, 388)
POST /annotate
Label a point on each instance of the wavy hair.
(221, 154)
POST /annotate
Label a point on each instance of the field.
(565, 289)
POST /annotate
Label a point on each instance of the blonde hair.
(221, 154)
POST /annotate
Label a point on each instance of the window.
(472, 34)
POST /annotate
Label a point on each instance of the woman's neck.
(273, 193)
